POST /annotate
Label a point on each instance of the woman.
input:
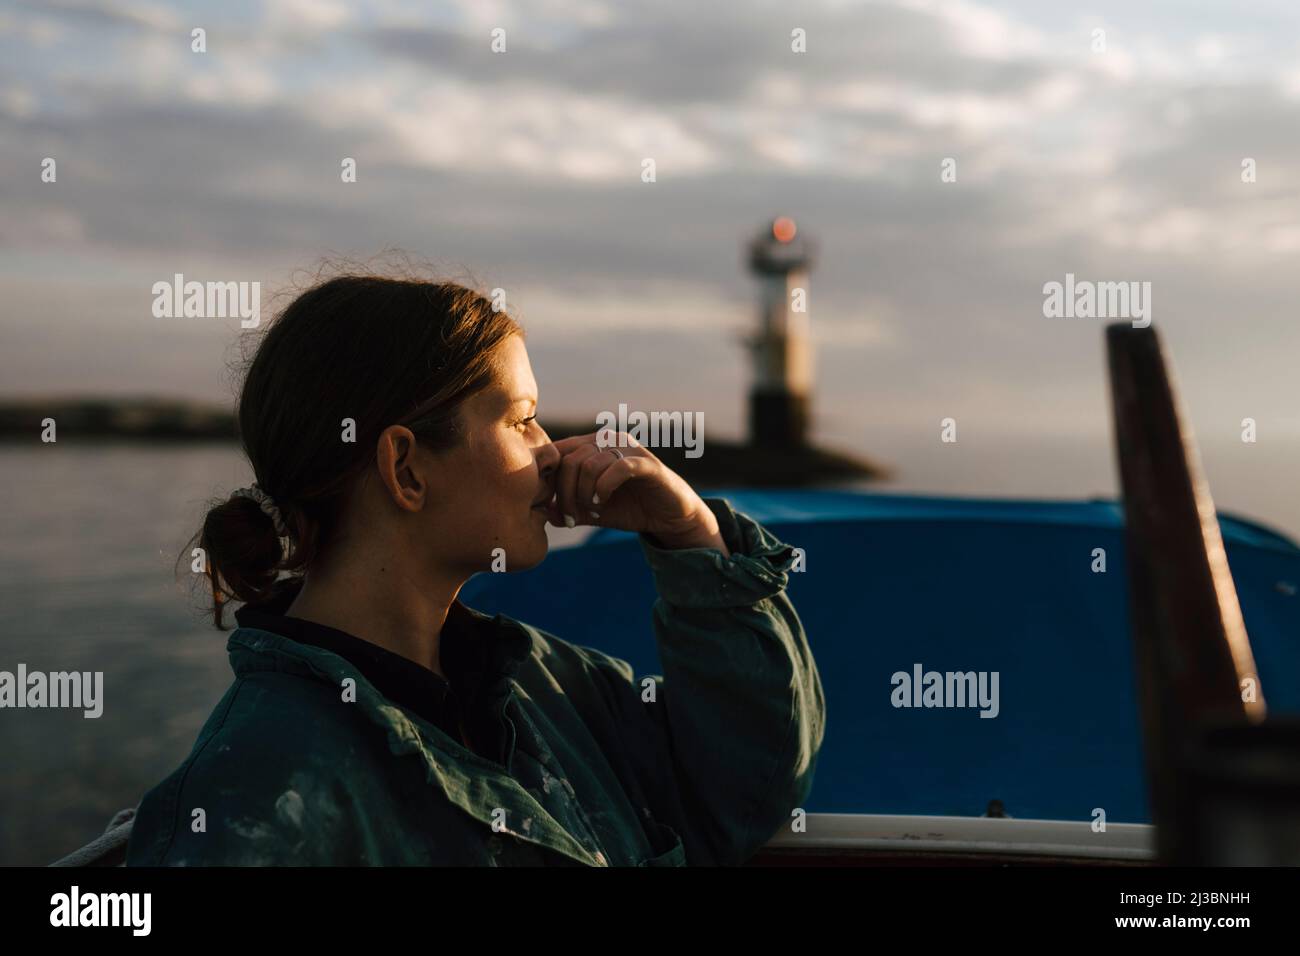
(374, 719)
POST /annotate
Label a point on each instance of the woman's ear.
(402, 467)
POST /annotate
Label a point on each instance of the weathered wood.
(1193, 655)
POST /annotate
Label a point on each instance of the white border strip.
(870, 831)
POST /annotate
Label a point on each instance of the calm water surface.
(88, 540)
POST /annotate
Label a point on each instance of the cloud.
(524, 167)
(306, 15)
(98, 14)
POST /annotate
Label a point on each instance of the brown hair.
(374, 349)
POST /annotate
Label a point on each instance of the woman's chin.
(539, 544)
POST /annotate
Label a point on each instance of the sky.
(523, 170)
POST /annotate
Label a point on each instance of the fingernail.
(568, 521)
(595, 499)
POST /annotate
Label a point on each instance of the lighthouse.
(779, 451)
(781, 349)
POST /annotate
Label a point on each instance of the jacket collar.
(476, 785)
(498, 647)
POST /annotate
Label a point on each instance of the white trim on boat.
(870, 831)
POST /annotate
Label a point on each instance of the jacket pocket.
(666, 836)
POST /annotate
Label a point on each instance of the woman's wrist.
(707, 534)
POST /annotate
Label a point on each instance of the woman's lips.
(546, 506)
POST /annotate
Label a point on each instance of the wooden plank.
(1193, 655)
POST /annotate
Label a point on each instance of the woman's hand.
(637, 492)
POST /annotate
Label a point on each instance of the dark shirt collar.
(478, 656)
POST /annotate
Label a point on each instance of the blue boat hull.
(893, 582)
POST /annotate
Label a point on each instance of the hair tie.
(268, 506)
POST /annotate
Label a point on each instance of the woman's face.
(487, 489)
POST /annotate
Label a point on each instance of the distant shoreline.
(115, 419)
(99, 420)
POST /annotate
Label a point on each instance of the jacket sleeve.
(739, 714)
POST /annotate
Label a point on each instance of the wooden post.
(1193, 656)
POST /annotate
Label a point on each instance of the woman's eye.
(525, 421)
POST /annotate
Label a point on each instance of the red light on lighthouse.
(783, 229)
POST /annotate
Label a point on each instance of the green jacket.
(700, 766)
